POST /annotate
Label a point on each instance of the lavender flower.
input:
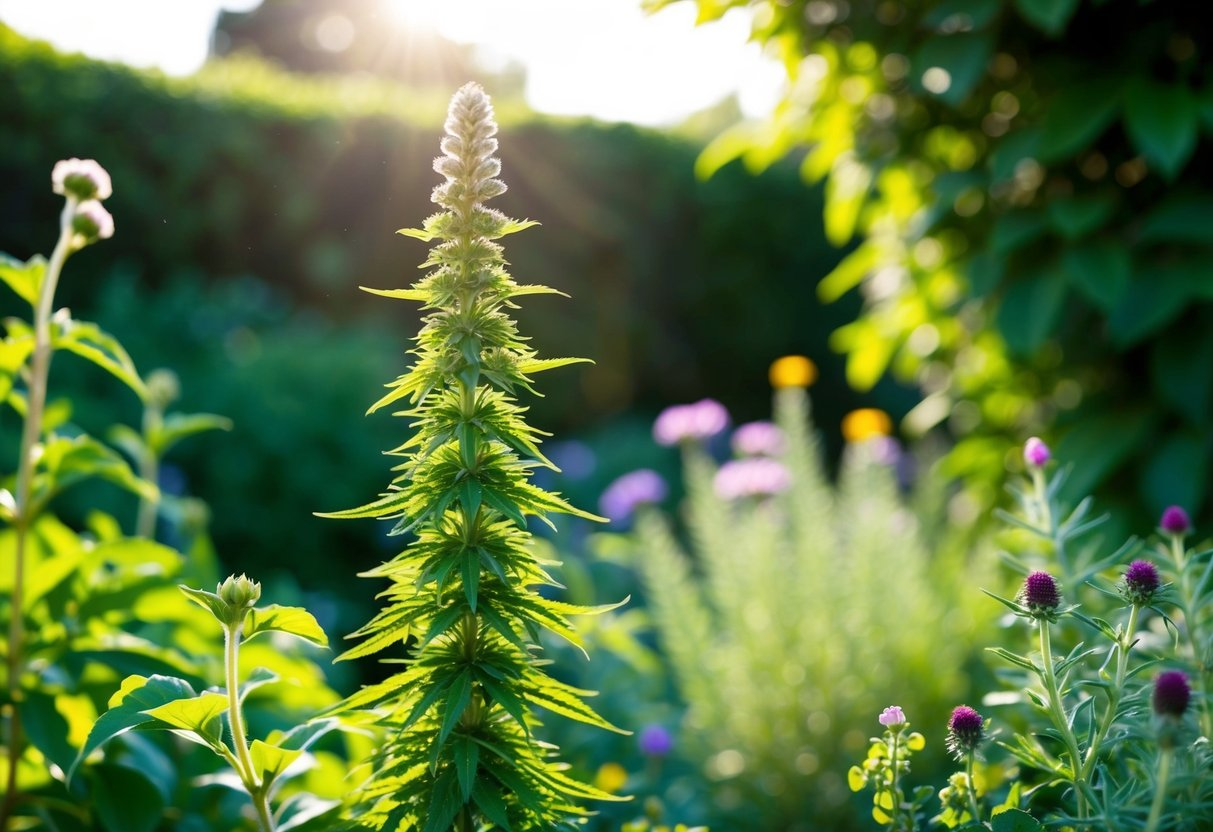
(891, 716)
(758, 439)
(1175, 521)
(1040, 594)
(622, 497)
(1036, 453)
(1172, 694)
(92, 222)
(965, 731)
(1141, 583)
(82, 178)
(701, 420)
(752, 477)
(655, 741)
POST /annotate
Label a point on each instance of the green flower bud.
(163, 387)
(239, 594)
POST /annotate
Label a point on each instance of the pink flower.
(752, 477)
(1036, 453)
(758, 439)
(92, 222)
(701, 420)
(892, 715)
(81, 178)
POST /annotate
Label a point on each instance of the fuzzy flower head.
(83, 179)
(1141, 583)
(1175, 521)
(91, 222)
(1036, 453)
(655, 741)
(623, 496)
(690, 422)
(892, 716)
(751, 477)
(792, 371)
(1172, 693)
(966, 729)
(467, 162)
(1040, 595)
(758, 439)
(866, 423)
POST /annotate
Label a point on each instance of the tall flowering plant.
(1116, 737)
(459, 747)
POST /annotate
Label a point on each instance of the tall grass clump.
(796, 605)
(459, 746)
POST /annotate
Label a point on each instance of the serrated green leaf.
(490, 802)
(294, 621)
(422, 295)
(539, 365)
(457, 698)
(198, 715)
(209, 601)
(444, 803)
(467, 754)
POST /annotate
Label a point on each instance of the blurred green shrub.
(1030, 188)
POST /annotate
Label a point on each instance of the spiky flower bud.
(240, 594)
(1141, 583)
(1175, 521)
(1040, 595)
(83, 179)
(92, 222)
(966, 729)
(1172, 693)
(1036, 453)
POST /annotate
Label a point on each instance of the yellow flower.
(792, 371)
(611, 777)
(866, 423)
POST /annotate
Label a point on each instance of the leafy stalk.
(1057, 711)
(459, 750)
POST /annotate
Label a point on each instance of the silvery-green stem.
(972, 788)
(1160, 790)
(1058, 712)
(1114, 693)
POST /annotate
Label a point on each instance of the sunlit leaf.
(24, 278)
(294, 621)
(125, 800)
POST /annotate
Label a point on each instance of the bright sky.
(603, 58)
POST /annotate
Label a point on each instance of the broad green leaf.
(1099, 270)
(1162, 121)
(1049, 15)
(1154, 298)
(1014, 820)
(47, 729)
(962, 56)
(1015, 230)
(259, 677)
(68, 461)
(1030, 310)
(1075, 217)
(125, 800)
(90, 342)
(294, 621)
(24, 278)
(127, 710)
(1077, 116)
(209, 601)
(198, 715)
(1182, 218)
(301, 808)
(269, 761)
(301, 737)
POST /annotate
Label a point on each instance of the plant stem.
(893, 765)
(972, 788)
(235, 715)
(1115, 693)
(22, 520)
(149, 470)
(1058, 712)
(1160, 790)
(1188, 603)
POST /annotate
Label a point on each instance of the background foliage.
(1027, 189)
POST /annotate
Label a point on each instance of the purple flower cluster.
(965, 731)
(1172, 693)
(622, 497)
(758, 439)
(1040, 594)
(1175, 521)
(655, 741)
(751, 477)
(690, 422)
(1141, 582)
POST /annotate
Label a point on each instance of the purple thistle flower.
(752, 477)
(655, 741)
(1040, 594)
(701, 420)
(1036, 453)
(1141, 582)
(92, 222)
(892, 715)
(758, 439)
(622, 497)
(1172, 693)
(1175, 521)
(82, 178)
(965, 731)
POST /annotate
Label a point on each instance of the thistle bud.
(83, 179)
(1141, 583)
(1175, 521)
(92, 222)
(1040, 595)
(966, 729)
(1172, 694)
(239, 594)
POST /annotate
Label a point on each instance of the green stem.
(149, 471)
(22, 519)
(257, 790)
(1058, 712)
(1188, 603)
(1160, 790)
(1114, 694)
(893, 748)
(972, 788)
